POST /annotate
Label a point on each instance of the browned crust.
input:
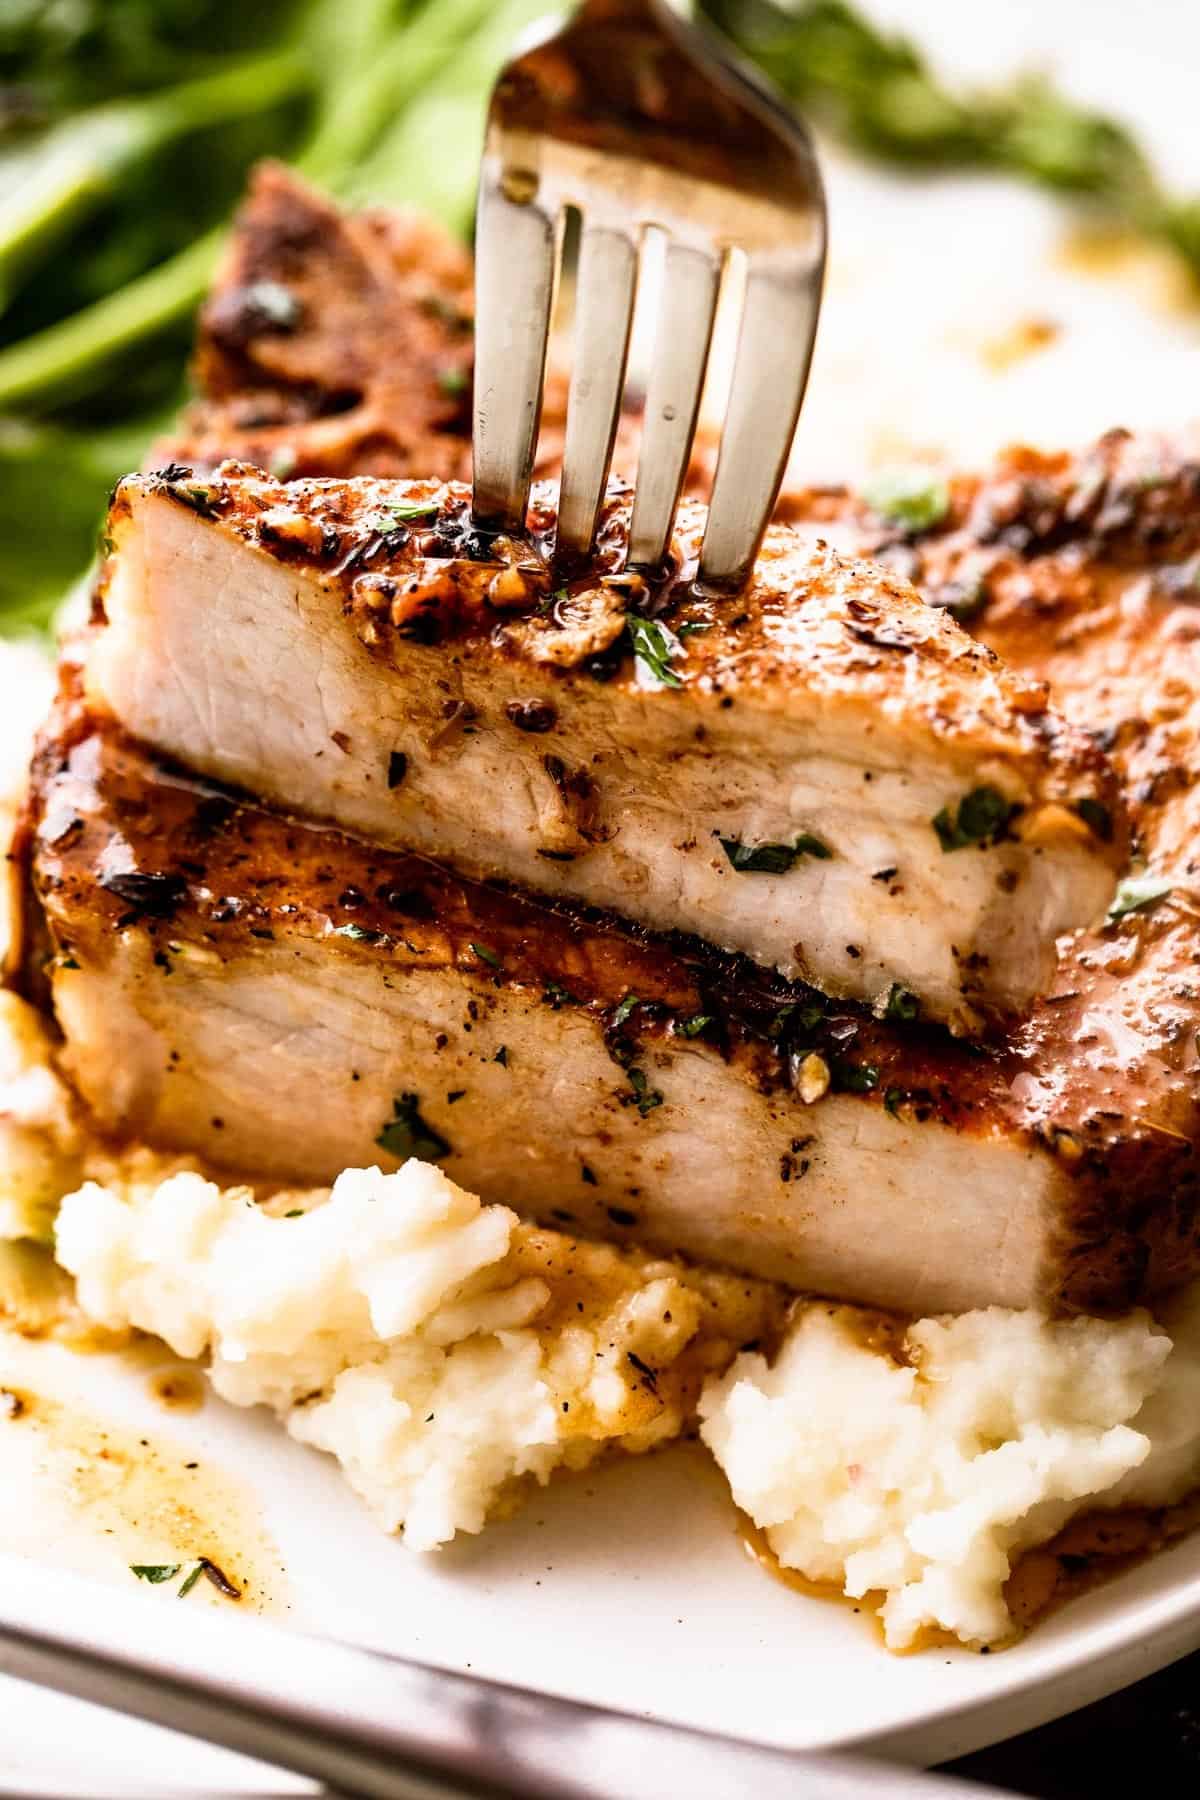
(217, 871)
(1077, 570)
(372, 373)
(811, 627)
(358, 357)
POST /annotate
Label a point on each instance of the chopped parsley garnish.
(690, 1028)
(646, 1098)
(892, 1100)
(1096, 817)
(913, 498)
(359, 934)
(806, 1017)
(397, 768)
(623, 1011)
(556, 996)
(981, 814)
(655, 646)
(486, 955)
(155, 1573)
(297, 1212)
(854, 1078)
(1137, 893)
(189, 1581)
(452, 381)
(403, 511)
(901, 1007)
(773, 859)
(407, 1133)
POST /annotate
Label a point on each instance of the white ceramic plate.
(629, 1586)
(626, 1587)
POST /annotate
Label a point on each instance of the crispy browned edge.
(220, 870)
(1030, 556)
(842, 632)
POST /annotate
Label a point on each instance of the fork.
(633, 118)
(365, 1723)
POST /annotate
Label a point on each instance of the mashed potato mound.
(440, 1349)
(919, 1476)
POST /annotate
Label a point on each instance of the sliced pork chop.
(278, 998)
(820, 773)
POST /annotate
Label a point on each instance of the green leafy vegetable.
(405, 511)
(557, 997)
(359, 934)
(901, 1007)
(1137, 893)
(133, 124)
(690, 1028)
(487, 956)
(912, 498)
(854, 1078)
(192, 1577)
(773, 859)
(155, 1573)
(983, 813)
(655, 647)
(407, 1133)
(646, 1098)
(623, 1011)
(875, 90)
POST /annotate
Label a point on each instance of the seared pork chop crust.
(271, 994)
(332, 343)
(793, 772)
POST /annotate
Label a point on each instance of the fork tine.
(515, 256)
(605, 285)
(691, 279)
(780, 309)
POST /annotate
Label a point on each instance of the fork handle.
(368, 1724)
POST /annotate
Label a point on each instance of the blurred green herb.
(127, 128)
(875, 90)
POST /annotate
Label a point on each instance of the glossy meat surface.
(279, 997)
(789, 782)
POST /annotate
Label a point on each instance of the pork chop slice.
(284, 1000)
(820, 773)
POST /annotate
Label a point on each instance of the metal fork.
(371, 1725)
(632, 117)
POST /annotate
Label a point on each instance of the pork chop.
(277, 997)
(820, 773)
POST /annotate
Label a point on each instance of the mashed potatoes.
(448, 1355)
(438, 1348)
(920, 1477)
